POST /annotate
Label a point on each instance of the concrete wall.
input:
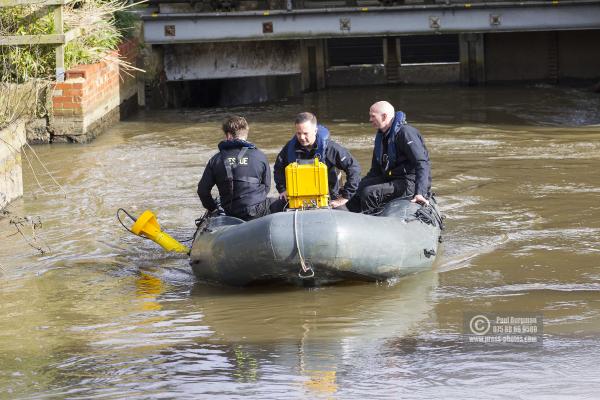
(12, 139)
(28, 101)
(231, 60)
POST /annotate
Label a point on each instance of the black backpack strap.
(229, 170)
(241, 154)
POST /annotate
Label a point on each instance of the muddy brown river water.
(104, 314)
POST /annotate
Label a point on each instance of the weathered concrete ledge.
(93, 97)
(12, 139)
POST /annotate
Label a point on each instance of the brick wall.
(89, 98)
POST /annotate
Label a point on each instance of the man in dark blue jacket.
(400, 165)
(241, 173)
(312, 140)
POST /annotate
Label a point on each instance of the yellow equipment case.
(306, 184)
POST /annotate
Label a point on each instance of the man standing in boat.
(400, 165)
(312, 140)
(241, 173)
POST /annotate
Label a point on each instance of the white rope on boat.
(306, 270)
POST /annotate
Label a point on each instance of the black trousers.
(373, 193)
(278, 205)
(254, 211)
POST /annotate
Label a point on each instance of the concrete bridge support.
(313, 62)
(392, 58)
(269, 55)
(496, 41)
(472, 58)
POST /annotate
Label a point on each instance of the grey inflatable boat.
(320, 246)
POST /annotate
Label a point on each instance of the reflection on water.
(106, 314)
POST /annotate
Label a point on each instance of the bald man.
(400, 166)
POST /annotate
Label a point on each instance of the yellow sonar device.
(147, 226)
(306, 184)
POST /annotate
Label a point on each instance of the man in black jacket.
(241, 173)
(312, 140)
(400, 166)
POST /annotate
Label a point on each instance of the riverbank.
(92, 98)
